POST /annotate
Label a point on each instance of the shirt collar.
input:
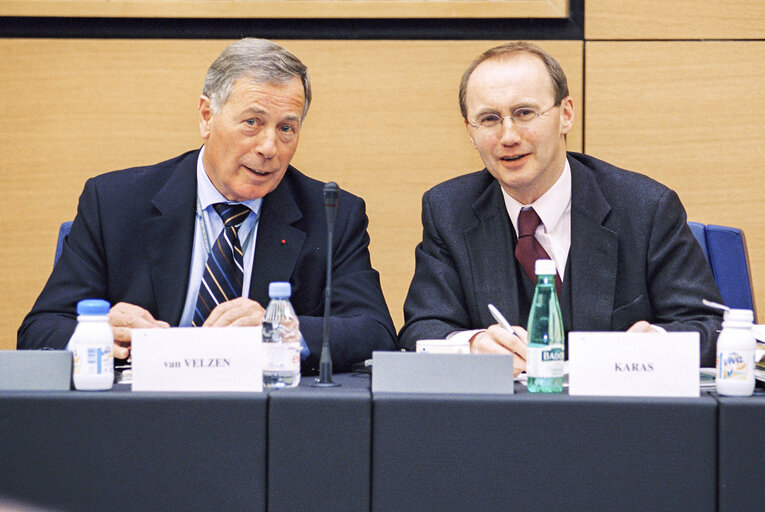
(209, 195)
(550, 206)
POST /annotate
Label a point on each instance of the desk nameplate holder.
(634, 364)
(409, 372)
(35, 370)
(197, 359)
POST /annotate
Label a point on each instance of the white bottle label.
(282, 357)
(92, 359)
(544, 361)
(734, 365)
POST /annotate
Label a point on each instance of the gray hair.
(558, 77)
(258, 60)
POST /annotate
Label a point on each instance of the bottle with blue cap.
(281, 339)
(91, 347)
(736, 347)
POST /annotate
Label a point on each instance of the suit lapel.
(593, 253)
(489, 246)
(278, 242)
(169, 239)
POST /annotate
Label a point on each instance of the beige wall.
(674, 19)
(384, 124)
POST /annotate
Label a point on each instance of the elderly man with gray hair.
(142, 236)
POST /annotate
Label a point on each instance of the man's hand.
(642, 326)
(123, 317)
(498, 340)
(241, 312)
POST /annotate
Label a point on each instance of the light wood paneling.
(675, 19)
(289, 8)
(688, 114)
(384, 124)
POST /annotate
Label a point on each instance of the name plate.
(197, 359)
(409, 372)
(39, 370)
(634, 364)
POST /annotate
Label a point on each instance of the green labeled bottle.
(544, 361)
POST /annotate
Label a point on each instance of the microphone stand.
(331, 193)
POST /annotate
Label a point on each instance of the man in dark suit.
(142, 236)
(625, 255)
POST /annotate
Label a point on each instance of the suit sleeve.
(679, 277)
(360, 321)
(79, 272)
(435, 304)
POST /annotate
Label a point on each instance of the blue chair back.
(699, 231)
(62, 232)
(725, 249)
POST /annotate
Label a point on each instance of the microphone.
(331, 193)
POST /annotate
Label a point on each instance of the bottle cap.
(93, 307)
(545, 267)
(738, 315)
(279, 290)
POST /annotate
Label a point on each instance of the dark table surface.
(344, 449)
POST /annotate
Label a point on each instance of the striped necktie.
(222, 278)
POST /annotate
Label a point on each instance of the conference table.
(346, 448)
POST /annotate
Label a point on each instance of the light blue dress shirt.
(207, 227)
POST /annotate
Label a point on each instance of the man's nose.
(266, 144)
(509, 133)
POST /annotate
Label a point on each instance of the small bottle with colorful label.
(91, 346)
(735, 354)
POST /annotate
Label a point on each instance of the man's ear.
(205, 116)
(470, 136)
(566, 115)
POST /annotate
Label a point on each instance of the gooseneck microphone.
(331, 193)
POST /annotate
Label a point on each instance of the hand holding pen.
(501, 320)
(502, 339)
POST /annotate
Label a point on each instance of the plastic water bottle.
(544, 362)
(91, 346)
(281, 339)
(735, 354)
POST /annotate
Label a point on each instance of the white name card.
(634, 364)
(197, 359)
(450, 346)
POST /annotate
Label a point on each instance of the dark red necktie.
(528, 249)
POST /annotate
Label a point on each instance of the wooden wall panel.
(687, 114)
(676, 19)
(289, 8)
(384, 124)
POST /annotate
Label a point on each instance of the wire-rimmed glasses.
(521, 118)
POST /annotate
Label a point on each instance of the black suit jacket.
(132, 241)
(632, 258)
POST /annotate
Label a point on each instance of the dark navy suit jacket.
(132, 241)
(632, 258)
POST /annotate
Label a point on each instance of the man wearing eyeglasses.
(625, 257)
(196, 240)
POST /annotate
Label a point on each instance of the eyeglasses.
(521, 118)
